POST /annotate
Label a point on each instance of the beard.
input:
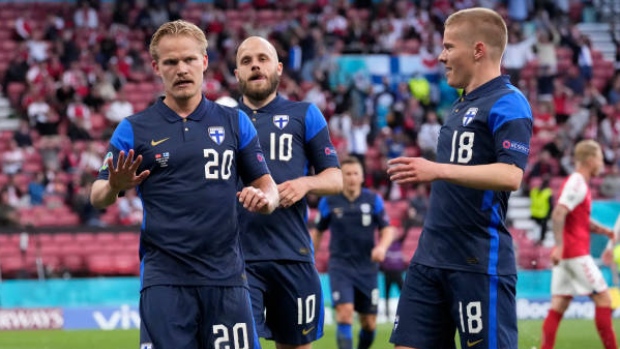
(260, 93)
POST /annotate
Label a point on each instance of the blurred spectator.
(17, 196)
(85, 16)
(9, 216)
(90, 160)
(544, 166)
(80, 203)
(22, 135)
(585, 61)
(36, 189)
(130, 208)
(357, 140)
(16, 71)
(541, 199)
(38, 48)
(418, 207)
(518, 53)
(24, 25)
(79, 113)
(428, 135)
(610, 186)
(12, 158)
(119, 109)
(42, 116)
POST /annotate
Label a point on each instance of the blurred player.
(463, 273)
(277, 249)
(575, 272)
(352, 219)
(185, 155)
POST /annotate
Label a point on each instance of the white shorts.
(577, 276)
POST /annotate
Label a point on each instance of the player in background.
(575, 272)
(463, 274)
(186, 155)
(353, 218)
(284, 284)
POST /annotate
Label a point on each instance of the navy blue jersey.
(464, 228)
(294, 137)
(352, 226)
(190, 233)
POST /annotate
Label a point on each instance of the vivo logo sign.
(123, 317)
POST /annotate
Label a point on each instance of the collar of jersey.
(171, 116)
(270, 108)
(486, 88)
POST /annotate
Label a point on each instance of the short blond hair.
(481, 24)
(177, 28)
(586, 149)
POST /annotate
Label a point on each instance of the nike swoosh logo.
(305, 331)
(154, 143)
(471, 344)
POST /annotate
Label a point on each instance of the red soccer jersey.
(575, 195)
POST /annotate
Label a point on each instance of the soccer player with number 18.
(463, 274)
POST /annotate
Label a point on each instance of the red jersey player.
(575, 272)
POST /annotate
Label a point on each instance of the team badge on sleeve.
(217, 134)
(104, 166)
(280, 121)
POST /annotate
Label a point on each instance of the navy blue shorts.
(350, 287)
(184, 317)
(435, 303)
(291, 294)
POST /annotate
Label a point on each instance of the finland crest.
(470, 114)
(280, 121)
(217, 134)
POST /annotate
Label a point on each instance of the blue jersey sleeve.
(510, 121)
(319, 148)
(251, 163)
(380, 216)
(122, 140)
(323, 218)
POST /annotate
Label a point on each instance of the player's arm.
(386, 236)
(261, 196)
(607, 256)
(558, 219)
(122, 177)
(328, 182)
(497, 176)
(316, 236)
(598, 228)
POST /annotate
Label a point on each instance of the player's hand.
(292, 191)
(608, 256)
(253, 199)
(556, 254)
(378, 254)
(124, 176)
(411, 170)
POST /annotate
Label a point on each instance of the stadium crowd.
(72, 71)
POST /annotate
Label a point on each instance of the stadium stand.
(111, 59)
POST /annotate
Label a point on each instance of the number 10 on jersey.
(280, 148)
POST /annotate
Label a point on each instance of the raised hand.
(123, 176)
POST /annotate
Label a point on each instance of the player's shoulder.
(369, 195)
(296, 108)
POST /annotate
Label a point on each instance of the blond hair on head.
(481, 24)
(177, 28)
(585, 149)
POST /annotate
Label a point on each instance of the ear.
(480, 50)
(155, 67)
(205, 63)
(280, 68)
